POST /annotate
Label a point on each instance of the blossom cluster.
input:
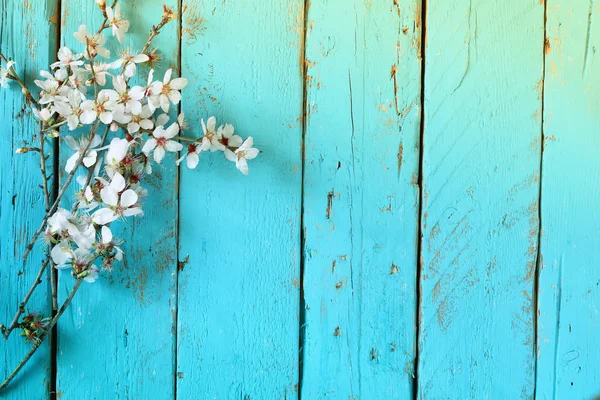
(81, 90)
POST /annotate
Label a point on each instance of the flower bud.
(102, 5)
(22, 150)
(114, 127)
(168, 13)
(54, 133)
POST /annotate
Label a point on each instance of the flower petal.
(159, 154)
(71, 162)
(104, 216)
(117, 183)
(173, 146)
(192, 160)
(129, 198)
(178, 83)
(242, 165)
(109, 196)
(133, 211)
(149, 146)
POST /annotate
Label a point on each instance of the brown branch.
(38, 279)
(43, 167)
(40, 340)
(168, 15)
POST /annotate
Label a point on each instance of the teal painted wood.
(239, 292)
(124, 322)
(569, 293)
(360, 212)
(483, 65)
(28, 35)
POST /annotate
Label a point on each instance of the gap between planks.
(539, 256)
(178, 264)
(302, 305)
(419, 260)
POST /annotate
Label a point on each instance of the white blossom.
(95, 42)
(70, 109)
(44, 114)
(52, 90)
(226, 137)
(4, 74)
(66, 58)
(168, 90)
(100, 71)
(130, 97)
(241, 156)
(143, 120)
(100, 108)
(90, 155)
(193, 155)
(120, 202)
(210, 139)
(117, 150)
(161, 142)
(128, 61)
(119, 24)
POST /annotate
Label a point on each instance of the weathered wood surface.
(239, 293)
(386, 242)
(569, 298)
(124, 324)
(28, 35)
(360, 198)
(481, 171)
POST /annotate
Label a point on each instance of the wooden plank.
(483, 67)
(360, 212)
(569, 294)
(239, 292)
(27, 34)
(124, 323)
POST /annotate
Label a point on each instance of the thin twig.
(40, 340)
(15, 76)
(168, 16)
(43, 168)
(104, 25)
(21, 309)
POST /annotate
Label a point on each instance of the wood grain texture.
(124, 322)
(569, 280)
(28, 35)
(239, 292)
(483, 66)
(360, 212)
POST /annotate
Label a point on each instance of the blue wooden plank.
(569, 293)
(483, 65)
(27, 34)
(124, 323)
(239, 292)
(360, 214)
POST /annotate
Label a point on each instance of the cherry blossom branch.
(78, 238)
(60, 195)
(45, 332)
